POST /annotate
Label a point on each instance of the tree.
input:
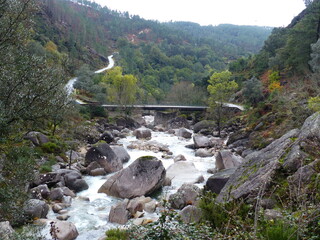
(220, 89)
(252, 91)
(121, 89)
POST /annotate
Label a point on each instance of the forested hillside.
(158, 54)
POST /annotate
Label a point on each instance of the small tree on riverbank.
(220, 89)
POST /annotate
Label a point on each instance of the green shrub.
(279, 230)
(50, 147)
(116, 234)
(47, 166)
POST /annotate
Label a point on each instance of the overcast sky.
(274, 13)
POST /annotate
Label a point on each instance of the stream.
(89, 210)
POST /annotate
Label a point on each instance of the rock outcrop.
(226, 159)
(187, 194)
(144, 176)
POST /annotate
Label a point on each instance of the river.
(89, 210)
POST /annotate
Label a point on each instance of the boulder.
(107, 137)
(187, 194)
(40, 192)
(56, 194)
(104, 155)
(151, 206)
(144, 176)
(226, 159)
(119, 213)
(201, 141)
(203, 152)
(153, 146)
(178, 122)
(163, 117)
(35, 208)
(98, 172)
(183, 132)
(92, 166)
(183, 172)
(179, 158)
(121, 153)
(73, 180)
(190, 214)
(37, 138)
(49, 179)
(216, 182)
(6, 231)
(257, 170)
(142, 133)
(205, 124)
(63, 230)
(127, 122)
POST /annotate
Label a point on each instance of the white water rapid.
(89, 210)
(69, 87)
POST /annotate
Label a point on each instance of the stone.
(135, 205)
(203, 152)
(50, 179)
(178, 122)
(98, 172)
(68, 192)
(119, 213)
(6, 231)
(187, 194)
(153, 146)
(127, 122)
(163, 117)
(205, 124)
(267, 203)
(150, 207)
(179, 158)
(138, 214)
(201, 141)
(56, 208)
(121, 153)
(40, 192)
(271, 214)
(92, 166)
(107, 137)
(257, 170)
(167, 182)
(63, 230)
(56, 194)
(104, 155)
(73, 180)
(37, 138)
(183, 172)
(35, 208)
(294, 160)
(190, 214)
(216, 182)
(63, 217)
(183, 132)
(144, 176)
(142, 133)
(200, 179)
(226, 159)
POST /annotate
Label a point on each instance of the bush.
(50, 147)
(279, 230)
(116, 234)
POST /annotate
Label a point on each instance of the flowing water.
(89, 210)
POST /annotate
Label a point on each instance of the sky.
(273, 13)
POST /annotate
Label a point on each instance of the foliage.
(116, 234)
(16, 174)
(252, 91)
(279, 230)
(315, 57)
(220, 90)
(314, 103)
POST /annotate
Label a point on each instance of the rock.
(74, 181)
(163, 117)
(98, 172)
(50, 179)
(179, 158)
(119, 213)
(183, 132)
(56, 194)
(150, 207)
(68, 192)
(127, 122)
(167, 182)
(267, 203)
(149, 146)
(6, 231)
(190, 214)
(135, 205)
(257, 170)
(202, 152)
(92, 166)
(63, 230)
(202, 142)
(104, 155)
(74, 155)
(35, 208)
(142, 133)
(178, 122)
(87, 133)
(216, 182)
(205, 124)
(37, 138)
(271, 214)
(226, 159)
(183, 172)
(187, 194)
(200, 179)
(138, 214)
(40, 192)
(107, 137)
(144, 176)
(56, 208)
(294, 160)
(121, 153)
(63, 217)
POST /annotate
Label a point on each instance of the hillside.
(158, 54)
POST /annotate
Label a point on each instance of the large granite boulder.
(40, 192)
(37, 138)
(35, 208)
(183, 132)
(127, 122)
(201, 141)
(178, 122)
(121, 153)
(190, 214)
(187, 194)
(144, 176)
(257, 170)
(119, 213)
(226, 159)
(205, 124)
(74, 181)
(63, 230)
(216, 182)
(142, 133)
(105, 156)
